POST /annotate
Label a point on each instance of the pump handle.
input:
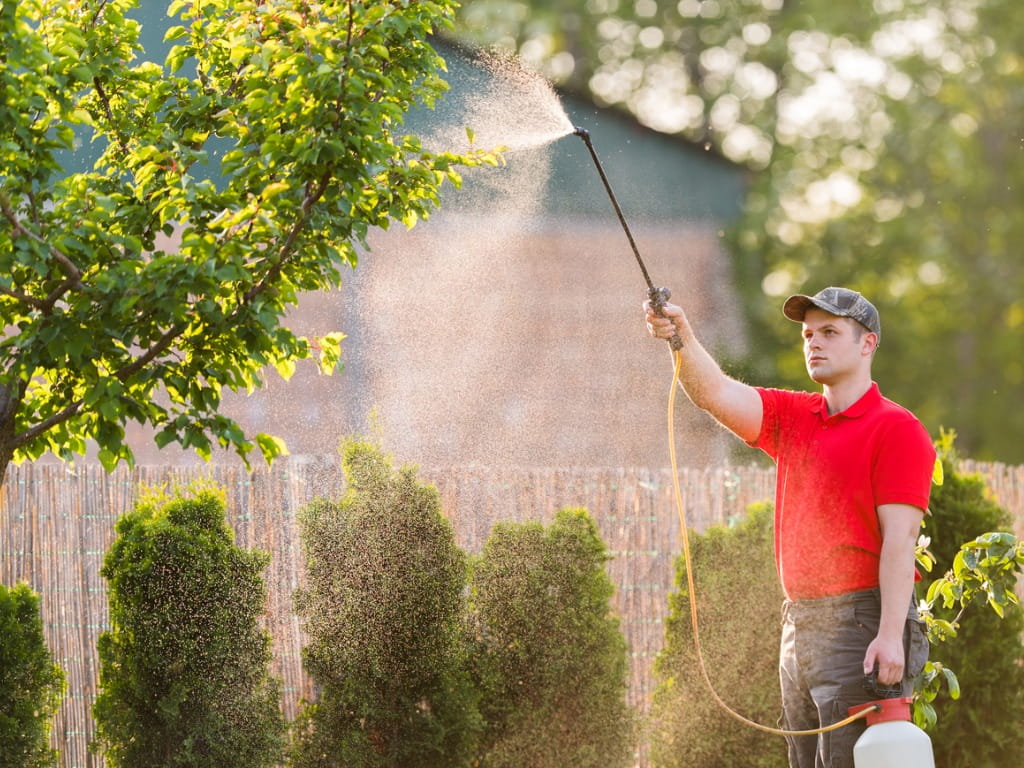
(881, 690)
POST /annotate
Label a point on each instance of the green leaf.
(924, 715)
(997, 605)
(176, 57)
(952, 683)
(175, 33)
(330, 352)
(274, 189)
(81, 116)
(165, 437)
(285, 368)
(108, 459)
(271, 447)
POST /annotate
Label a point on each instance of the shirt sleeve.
(772, 406)
(902, 473)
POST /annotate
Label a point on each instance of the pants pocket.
(916, 642)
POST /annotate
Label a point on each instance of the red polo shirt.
(833, 473)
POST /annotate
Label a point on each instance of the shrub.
(985, 727)
(738, 601)
(549, 657)
(382, 607)
(31, 685)
(183, 669)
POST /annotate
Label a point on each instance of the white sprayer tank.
(891, 739)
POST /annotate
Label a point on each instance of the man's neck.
(841, 396)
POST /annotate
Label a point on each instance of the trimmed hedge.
(738, 612)
(549, 657)
(183, 669)
(530, 670)
(984, 728)
(31, 684)
(382, 607)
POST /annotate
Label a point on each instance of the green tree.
(887, 151)
(900, 185)
(549, 656)
(738, 604)
(183, 669)
(382, 607)
(244, 167)
(31, 684)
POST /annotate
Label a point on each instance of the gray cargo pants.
(821, 671)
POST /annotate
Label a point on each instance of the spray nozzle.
(583, 133)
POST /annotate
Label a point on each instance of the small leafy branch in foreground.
(984, 570)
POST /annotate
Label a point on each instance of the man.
(854, 476)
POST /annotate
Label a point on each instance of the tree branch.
(19, 229)
(35, 430)
(105, 100)
(26, 299)
(312, 194)
(162, 344)
(96, 15)
(288, 248)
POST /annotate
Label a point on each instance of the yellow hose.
(693, 595)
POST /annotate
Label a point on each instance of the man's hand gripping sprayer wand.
(658, 297)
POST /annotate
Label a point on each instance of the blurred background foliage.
(886, 153)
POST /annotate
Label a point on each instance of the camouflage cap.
(837, 301)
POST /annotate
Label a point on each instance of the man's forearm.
(734, 404)
(896, 583)
(900, 524)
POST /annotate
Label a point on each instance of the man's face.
(835, 347)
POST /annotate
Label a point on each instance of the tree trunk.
(8, 411)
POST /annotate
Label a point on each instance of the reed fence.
(56, 525)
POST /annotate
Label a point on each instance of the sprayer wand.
(657, 295)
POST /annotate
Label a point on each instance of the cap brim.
(796, 307)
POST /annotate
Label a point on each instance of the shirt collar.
(868, 400)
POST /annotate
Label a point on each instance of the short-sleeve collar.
(864, 404)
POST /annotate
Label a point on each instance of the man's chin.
(818, 375)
